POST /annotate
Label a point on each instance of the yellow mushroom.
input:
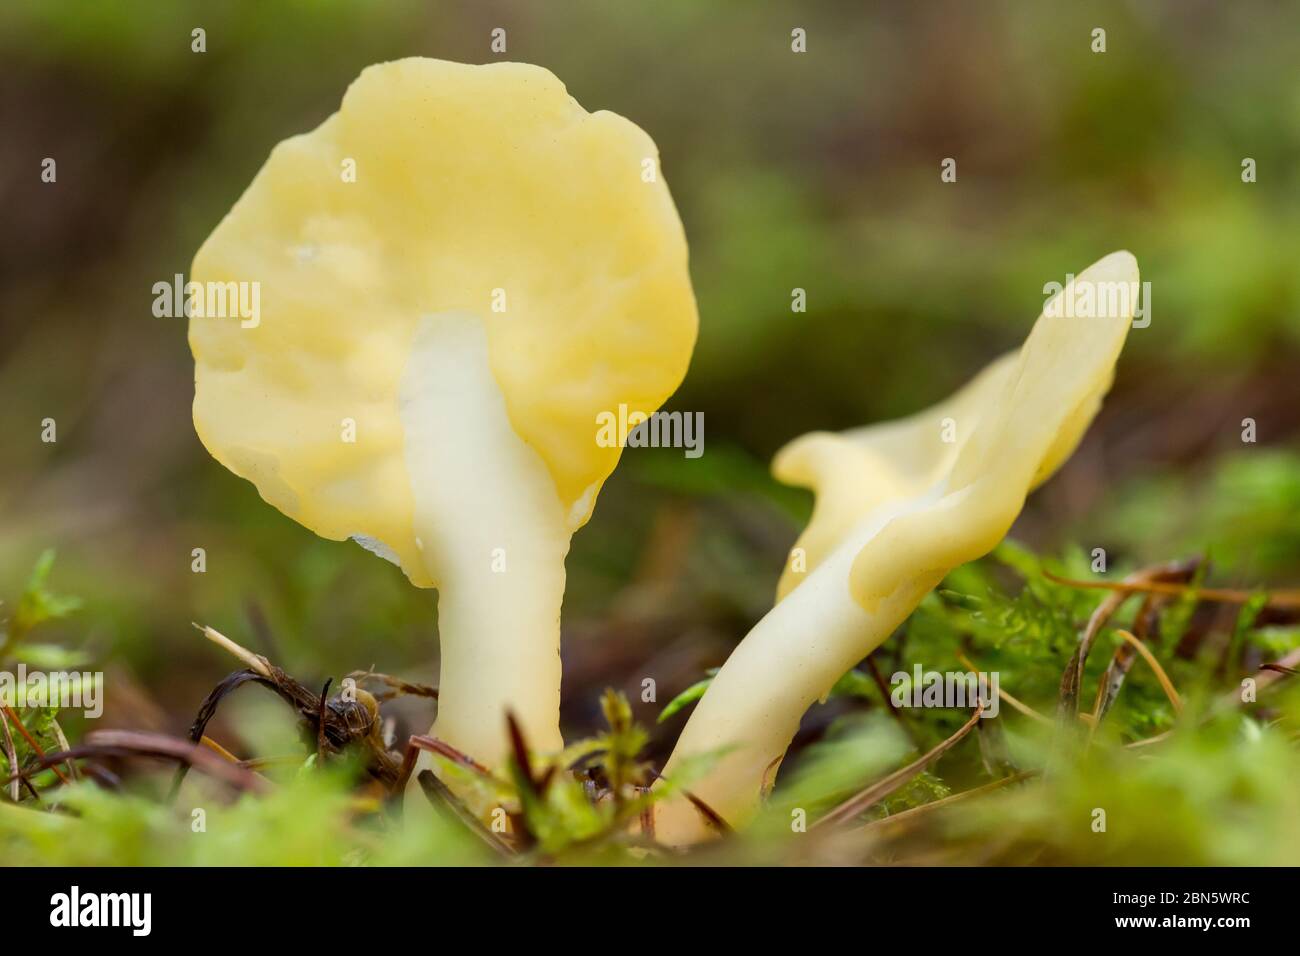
(899, 505)
(459, 272)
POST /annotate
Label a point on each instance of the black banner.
(125, 907)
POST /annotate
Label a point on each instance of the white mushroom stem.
(791, 658)
(493, 535)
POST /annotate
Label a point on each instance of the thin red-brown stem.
(1288, 599)
(11, 753)
(134, 743)
(320, 722)
(31, 742)
(417, 742)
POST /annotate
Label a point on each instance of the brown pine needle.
(417, 742)
(1148, 741)
(1161, 676)
(216, 748)
(1163, 574)
(854, 805)
(910, 815)
(261, 763)
(1289, 599)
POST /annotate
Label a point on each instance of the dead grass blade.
(1071, 680)
(396, 686)
(910, 816)
(1161, 676)
(851, 807)
(451, 807)
(712, 817)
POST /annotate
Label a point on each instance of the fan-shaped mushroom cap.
(479, 190)
(857, 471)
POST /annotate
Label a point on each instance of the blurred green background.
(817, 170)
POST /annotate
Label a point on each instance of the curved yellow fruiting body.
(449, 218)
(899, 505)
(856, 472)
